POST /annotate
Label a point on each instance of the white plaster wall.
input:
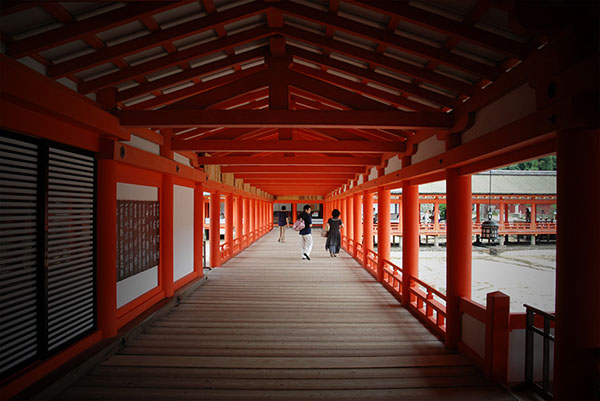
(511, 107)
(143, 144)
(394, 164)
(473, 334)
(373, 174)
(181, 159)
(360, 179)
(516, 356)
(135, 286)
(183, 231)
(429, 148)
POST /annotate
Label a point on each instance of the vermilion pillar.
(350, 220)
(410, 237)
(107, 247)
(166, 243)
(458, 249)
(246, 217)
(294, 212)
(214, 229)
(239, 203)
(383, 229)
(198, 229)
(400, 218)
(577, 269)
(229, 220)
(357, 221)
(344, 215)
(368, 225)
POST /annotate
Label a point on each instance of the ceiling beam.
(390, 63)
(275, 160)
(174, 58)
(187, 75)
(89, 26)
(295, 146)
(373, 76)
(158, 38)
(300, 176)
(293, 169)
(253, 76)
(464, 31)
(333, 92)
(363, 89)
(284, 118)
(439, 55)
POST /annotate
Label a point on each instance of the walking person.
(306, 240)
(334, 238)
(283, 221)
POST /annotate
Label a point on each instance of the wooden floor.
(269, 325)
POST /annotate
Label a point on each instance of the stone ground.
(526, 274)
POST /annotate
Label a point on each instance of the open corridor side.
(269, 325)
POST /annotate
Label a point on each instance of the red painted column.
(358, 225)
(368, 225)
(166, 228)
(577, 269)
(239, 202)
(350, 221)
(344, 214)
(215, 228)
(383, 229)
(229, 220)
(294, 212)
(198, 229)
(410, 237)
(246, 217)
(107, 247)
(458, 249)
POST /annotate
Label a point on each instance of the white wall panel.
(183, 231)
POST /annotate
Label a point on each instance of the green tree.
(547, 163)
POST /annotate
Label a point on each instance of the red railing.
(429, 303)
(351, 245)
(372, 261)
(392, 275)
(359, 251)
(505, 228)
(225, 251)
(236, 246)
(345, 242)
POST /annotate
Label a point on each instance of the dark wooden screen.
(137, 237)
(19, 314)
(47, 249)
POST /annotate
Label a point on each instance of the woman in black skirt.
(334, 238)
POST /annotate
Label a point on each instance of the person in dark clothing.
(306, 240)
(334, 238)
(283, 221)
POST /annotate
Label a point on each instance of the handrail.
(359, 251)
(225, 251)
(432, 311)
(236, 246)
(429, 288)
(372, 260)
(543, 390)
(351, 244)
(393, 276)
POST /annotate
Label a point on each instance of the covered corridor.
(268, 325)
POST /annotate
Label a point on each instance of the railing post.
(215, 229)
(350, 224)
(497, 336)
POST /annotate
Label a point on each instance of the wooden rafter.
(277, 160)
(296, 146)
(284, 118)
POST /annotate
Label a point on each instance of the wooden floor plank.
(268, 325)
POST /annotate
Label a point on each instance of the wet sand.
(526, 275)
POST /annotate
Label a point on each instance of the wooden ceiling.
(292, 96)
